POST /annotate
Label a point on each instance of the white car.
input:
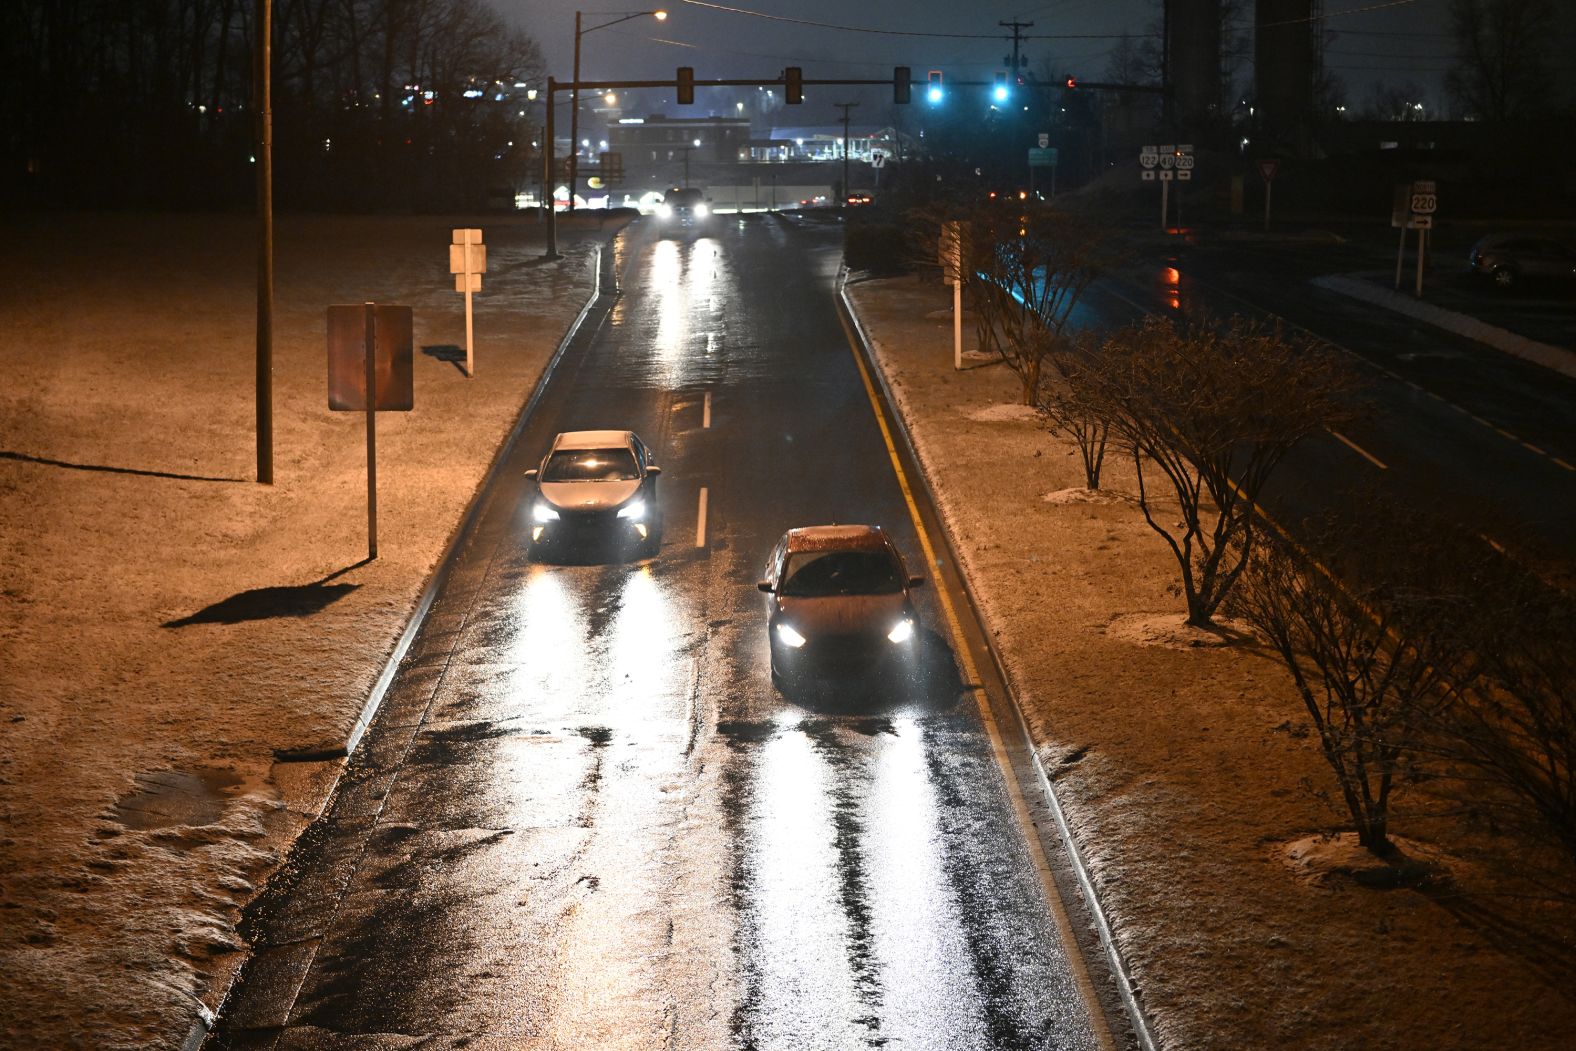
(839, 604)
(596, 488)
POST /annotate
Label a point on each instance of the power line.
(907, 32)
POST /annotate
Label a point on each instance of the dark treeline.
(149, 102)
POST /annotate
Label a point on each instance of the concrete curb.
(1545, 354)
(1135, 1012)
(205, 1019)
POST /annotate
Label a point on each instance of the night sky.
(1405, 41)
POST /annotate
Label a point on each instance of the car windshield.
(819, 574)
(591, 465)
(684, 198)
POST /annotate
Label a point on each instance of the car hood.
(843, 614)
(588, 496)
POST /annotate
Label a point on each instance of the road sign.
(950, 250)
(1268, 167)
(1043, 158)
(467, 262)
(877, 159)
(1184, 162)
(1148, 159)
(1425, 200)
(1045, 139)
(1420, 222)
(347, 354)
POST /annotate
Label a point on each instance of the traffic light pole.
(899, 83)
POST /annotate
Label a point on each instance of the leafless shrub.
(1372, 620)
(1214, 410)
(1069, 405)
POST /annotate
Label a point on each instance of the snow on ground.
(167, 626)
(1190, 773)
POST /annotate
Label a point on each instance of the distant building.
(647, 141)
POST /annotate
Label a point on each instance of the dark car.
(596, 488)
(839, 605)
(684, 209)
(1510, 260)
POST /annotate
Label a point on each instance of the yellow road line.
(1042, 866)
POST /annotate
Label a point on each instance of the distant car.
(596, 488)
(684, 208)
(1512, 259)
(857, 199)
(839, 604)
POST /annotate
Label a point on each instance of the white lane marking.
(711, 342)
(1358, 449)
(998, 745)
(700, 525)
(705, 412)
(1367, 361)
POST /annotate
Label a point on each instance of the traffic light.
(934, 94)
(900, 85)
(793, 76)
(1070, 83)
(1001, 92)
(686, 85)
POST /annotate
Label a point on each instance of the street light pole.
(574, 94)
(263, 30)
(845, 107)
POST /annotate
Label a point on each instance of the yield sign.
(1267, 168)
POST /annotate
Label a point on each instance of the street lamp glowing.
(610, 98)
(660, 16)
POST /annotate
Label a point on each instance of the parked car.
(596, 488)
(1511, 259)
(839, 604)
(684, 209)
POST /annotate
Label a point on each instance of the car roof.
(593, 439)
(837, 538)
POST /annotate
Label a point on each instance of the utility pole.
(845, 107)
(1017, 35)
(263, 89)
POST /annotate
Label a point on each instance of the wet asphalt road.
(585, 818)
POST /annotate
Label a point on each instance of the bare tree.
(1517, 727)
(1070, 406)
(1213, 410)
(1375, 641)
(1025, 266)
(1504, 57)
(1402, 100)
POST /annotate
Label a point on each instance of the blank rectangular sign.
(347, 363)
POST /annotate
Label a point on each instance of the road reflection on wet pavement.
(584, 817)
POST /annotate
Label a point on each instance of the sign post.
(1268, 166)
(1424, 201)
(952, 272)
(1166, 163)
(467, 262)
(369, 368)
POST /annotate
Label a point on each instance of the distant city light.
(610, 98)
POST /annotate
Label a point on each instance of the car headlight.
(902, 631)
(635, 510)
(664, 211)
(789, 636)
(701, 211)
(542, 513)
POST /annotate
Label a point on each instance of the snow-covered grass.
(127, 510)
(1187, 768)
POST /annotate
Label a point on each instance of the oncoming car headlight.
(701, 211)
(789, 636)
(542, 513)
(635, 510)
(664, 211)
(902, 631)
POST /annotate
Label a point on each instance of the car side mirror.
(766, 586)
(915, 582)
(653, 470)
(531, 474)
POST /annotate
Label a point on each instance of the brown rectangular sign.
(347, 363)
